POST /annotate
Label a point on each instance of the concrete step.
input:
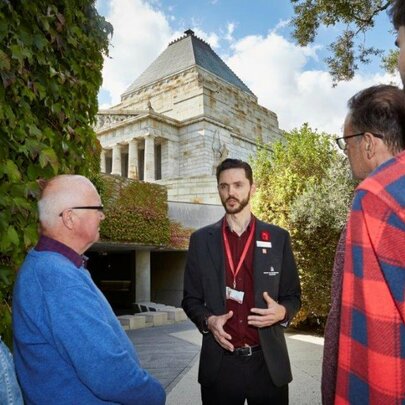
(157, 318)
(132, 321)
(154, 314)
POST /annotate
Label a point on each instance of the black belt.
(244, 351)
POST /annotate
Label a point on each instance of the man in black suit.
(241, 288)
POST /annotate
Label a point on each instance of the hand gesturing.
(266, 317)
(216, 326)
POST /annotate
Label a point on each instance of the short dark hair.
(397, 13)
(380, 109)
(235, 164)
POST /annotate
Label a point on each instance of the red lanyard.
(244, 253)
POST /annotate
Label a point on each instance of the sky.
(254, 37)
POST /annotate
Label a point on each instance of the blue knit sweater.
(69, 347)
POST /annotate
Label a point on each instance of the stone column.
(133, 159)
(149, 167)
(102, 161)
(116, 160)
(142, 276)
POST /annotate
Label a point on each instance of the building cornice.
(132, 118)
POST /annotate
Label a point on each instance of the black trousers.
(244, 377)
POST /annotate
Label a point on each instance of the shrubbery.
(135, 211)
(304, 185)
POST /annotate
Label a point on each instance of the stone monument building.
(175, 123)
(179, 119)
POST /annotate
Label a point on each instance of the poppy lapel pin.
(265, 235)
(264, 241)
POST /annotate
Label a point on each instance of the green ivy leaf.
(21, 203)
(4, 61)
(34, 171)
(40, 42)
(48, 156)
(30, 235)
(34, 147)
(10, 238)
(11, 170)
(5, 274)
(20, 53)
(34, 131)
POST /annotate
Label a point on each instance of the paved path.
(171, 354)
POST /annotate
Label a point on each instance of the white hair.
(61, 192)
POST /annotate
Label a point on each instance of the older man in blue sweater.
(69, 347)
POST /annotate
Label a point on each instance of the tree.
(358, 17)
(304, 185)
(51, 56)
(286, 171)
(317, 217)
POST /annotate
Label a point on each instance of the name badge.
(234, 295)
(263, 244)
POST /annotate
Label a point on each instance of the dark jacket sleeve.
(290, 289)
(193, 301)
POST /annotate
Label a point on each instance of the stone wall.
(194, 216)
(199, 120)
(195, 92)
(178, 96)
(167, 275)
(232, 107)
(198, 189)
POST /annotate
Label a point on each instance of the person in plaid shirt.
(371, 359)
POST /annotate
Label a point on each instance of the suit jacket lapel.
(260, 260)
(261, 263)
(216, 253)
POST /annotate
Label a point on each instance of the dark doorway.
(158, 162)
(124, 165)
(108, 164)
(141, 163)
(111, 271)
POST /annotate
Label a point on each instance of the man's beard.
(237, 208)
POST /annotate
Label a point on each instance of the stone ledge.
(173, 313)
(156, 318)
(154, 314)
(129, 322)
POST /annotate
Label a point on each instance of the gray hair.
(61, 192)
(380, 109)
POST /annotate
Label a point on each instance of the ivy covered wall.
(51, 56)
(135, 211)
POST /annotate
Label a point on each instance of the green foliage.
(304, 185)
(294, 163)
(131, 214)
(390, 61)
(356, 18)
(179, 236)
(317, 217)
(51, 55)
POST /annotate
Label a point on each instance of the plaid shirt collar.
(52, 245)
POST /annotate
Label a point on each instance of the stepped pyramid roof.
(183, 53)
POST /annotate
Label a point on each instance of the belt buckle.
(245, 351)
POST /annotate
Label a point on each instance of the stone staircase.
(151, 314)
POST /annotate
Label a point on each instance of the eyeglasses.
(86, 207)
(341, 142)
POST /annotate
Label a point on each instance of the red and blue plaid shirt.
(371, 365)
